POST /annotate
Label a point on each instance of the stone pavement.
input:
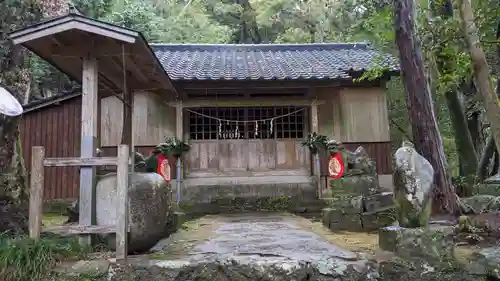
(262, 239)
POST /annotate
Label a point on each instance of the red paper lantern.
(336, 166)
(163, 167)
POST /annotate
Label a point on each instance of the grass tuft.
(24, 259)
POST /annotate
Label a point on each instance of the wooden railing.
(38, 162)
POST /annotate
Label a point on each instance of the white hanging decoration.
(236, 131)
(256, 128)
(220, 129)
(271, 126)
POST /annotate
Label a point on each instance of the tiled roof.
(269, 61)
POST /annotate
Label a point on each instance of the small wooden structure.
(105, 59)
(38, 162)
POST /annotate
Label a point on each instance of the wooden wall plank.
(364, 115)
(153, 120)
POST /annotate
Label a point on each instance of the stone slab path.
(250, 239)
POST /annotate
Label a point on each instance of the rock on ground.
(149, 208)
(413, 178)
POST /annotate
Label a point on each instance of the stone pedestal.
(351, 186)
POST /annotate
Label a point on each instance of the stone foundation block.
(337, 219)
(378, 201)
(376, 219)
(425, 244)
(355, 185)
(347, 222)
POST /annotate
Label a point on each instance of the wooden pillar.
(127, 130)
(122, 181)
(179, 132)
(36, 191)
(315, 128)
(88, 143)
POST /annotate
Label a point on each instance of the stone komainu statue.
(359, 162)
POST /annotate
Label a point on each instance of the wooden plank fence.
(38, 162)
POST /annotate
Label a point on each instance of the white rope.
(244, 121)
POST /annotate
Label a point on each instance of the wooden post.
(36, 191)
(316, 160)
(88, 143)
(180, 135)
(122, 181)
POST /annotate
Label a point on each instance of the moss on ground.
(53, 219)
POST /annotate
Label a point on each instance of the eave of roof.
(63, 40)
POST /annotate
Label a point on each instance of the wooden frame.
(39, 162)
(73, 21)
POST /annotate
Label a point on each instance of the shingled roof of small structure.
(270, 61)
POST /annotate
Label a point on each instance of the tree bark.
(13, 179)
(425, 130)
(484, 83)
(484, 162)
(463, 139)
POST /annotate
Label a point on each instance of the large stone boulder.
(413, 179)
(149, 208)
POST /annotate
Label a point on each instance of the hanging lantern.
(336, 166)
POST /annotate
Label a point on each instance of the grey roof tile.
(269, 61)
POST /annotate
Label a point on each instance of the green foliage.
(174, 146)
(315, 142)
(169, 21)
(24, 259)
(94, 8)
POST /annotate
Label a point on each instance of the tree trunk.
(13, 180)
(484, 162)
(484, 83)
(441, 12)
(425, 130)
(463, 139)
(490, 151)
(473, 124)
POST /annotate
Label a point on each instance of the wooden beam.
(79, 162)
(224, 84)
(65, 24)
(244, 103)
(88, 146)
(122, 182)
(110, 54)
(36, 191)
(81, 229)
